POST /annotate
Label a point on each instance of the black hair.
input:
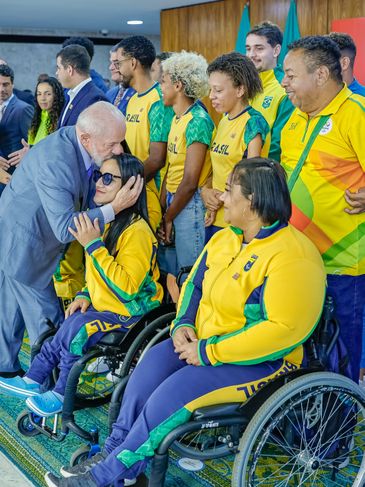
(6, 71)
(265, 181)
(140, 48)
(241, 70)
(81, 41)
(320, 51)
(77, 57)
(270, 31)
(346, 45)
(129, 166)
(56, 109)
(162, 56)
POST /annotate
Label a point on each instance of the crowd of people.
(104, 190)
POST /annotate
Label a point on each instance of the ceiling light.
(134, 22)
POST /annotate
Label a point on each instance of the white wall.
(28, 60)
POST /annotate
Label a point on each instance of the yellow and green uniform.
(278, 284)
(194, 126)
(126, 283)
(229, 146)
(148, 120)
(336, 162)
(275, 106)
(251, 308)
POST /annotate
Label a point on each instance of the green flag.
(291, 32)
(243, 30)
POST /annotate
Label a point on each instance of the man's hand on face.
(128, 194)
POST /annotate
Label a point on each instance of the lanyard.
(296, 171)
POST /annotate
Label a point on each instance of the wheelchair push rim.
(311, 432)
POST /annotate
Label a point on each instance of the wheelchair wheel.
(311, 432)
(24, 426)
(154, 333)
(80, 455)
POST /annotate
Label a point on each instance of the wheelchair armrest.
(113, 338)
(217, 410)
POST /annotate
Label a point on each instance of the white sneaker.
(129, 482)
(98, 366)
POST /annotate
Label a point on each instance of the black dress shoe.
(8, 375)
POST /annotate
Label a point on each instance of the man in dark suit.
(51, 186)
(15, 119)
(73, 72)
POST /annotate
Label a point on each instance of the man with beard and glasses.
(47, 192)
(148, 120)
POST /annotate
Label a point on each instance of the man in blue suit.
(51, 186)
(118, 95)
(73, 72)
(15, 119)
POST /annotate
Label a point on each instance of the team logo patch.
(250, 262)
(235, 276)
(141, 110)
(267, 101)
(176, 139)
(327, 127)
(293, 125)
(233, 136)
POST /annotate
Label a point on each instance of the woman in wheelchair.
(121, 286)
(253, 297)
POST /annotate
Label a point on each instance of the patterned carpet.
(37, 455)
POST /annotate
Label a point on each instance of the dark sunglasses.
(107, 177)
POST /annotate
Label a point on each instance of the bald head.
(101, 129)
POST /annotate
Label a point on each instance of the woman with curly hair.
(184, 82)
(241, 133)
(50, 100)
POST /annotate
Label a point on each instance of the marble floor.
(10, 475)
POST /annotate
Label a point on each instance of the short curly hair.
(241, 70)
(140, 48)
(191, 69)
(346, 44)
(319, 51)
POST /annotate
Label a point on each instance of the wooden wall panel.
(211, 28)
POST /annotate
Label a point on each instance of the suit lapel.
(80, 95)
(8, 111)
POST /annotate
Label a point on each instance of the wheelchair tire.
(80, 455)
(24, 426)
(155, 332)
(303, 435)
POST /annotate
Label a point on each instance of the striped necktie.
(2, 110)
(118, 97)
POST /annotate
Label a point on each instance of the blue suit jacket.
(14, 126)
(47, 190)
(88, 95)
(127, 95)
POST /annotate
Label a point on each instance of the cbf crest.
(267, 101)
(250, 262)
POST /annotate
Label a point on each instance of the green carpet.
(37, 455)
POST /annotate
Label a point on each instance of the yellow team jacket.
(249, 303)
(126, 283)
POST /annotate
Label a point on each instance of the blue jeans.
(189, 236)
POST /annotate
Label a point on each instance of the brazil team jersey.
(148, 120)
(249, 303)
(194, 126)
(336, 162)
(275, 106)
(229, 146)
(126, 283)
